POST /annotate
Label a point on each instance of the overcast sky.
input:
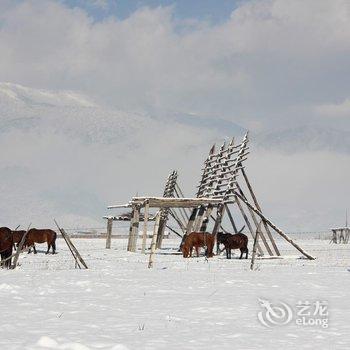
(265, 65)
(261, 63)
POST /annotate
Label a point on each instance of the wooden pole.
(130, 229)
(19, 249)
(161, 230)
(248, 224)
(176, 218)
(154, 241)
(257, 205)
(255, 246)
(144, 233)
(231, 219)
(109, 233)
(71, 246)
(280, 232)
(203, 228)
(219, 215)
(191, 221)
(135, 229)
(256, 224)
(198, 222)
(172, 230)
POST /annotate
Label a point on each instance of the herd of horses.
(9, 241)
(207, 240)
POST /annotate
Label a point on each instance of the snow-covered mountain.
(66, 113)
(65, 155)
(304, 139)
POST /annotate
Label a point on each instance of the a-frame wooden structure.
(224, 183)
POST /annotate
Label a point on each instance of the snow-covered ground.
(179, 304)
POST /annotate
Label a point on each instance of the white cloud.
(272, 60)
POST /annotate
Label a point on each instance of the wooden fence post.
(154, 241)
(131, 229)
(109, 232)
(144, 233)
(135, 229)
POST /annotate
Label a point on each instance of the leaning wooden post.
(248, 224)
(154, 241)
(71, 247)
(19, 249)
(256, 224)
(255, 246)
(257, 205)
(144, 233)
(109, 232)
(231, 218)
(280, 232)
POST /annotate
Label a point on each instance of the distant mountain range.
(304, 138)
(66, 156)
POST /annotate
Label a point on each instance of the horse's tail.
(54, 238)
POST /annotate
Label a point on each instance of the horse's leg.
(48, 248)
(197, 251)
(8, 262)
(246, 253)
(34, 248)
(53, 245)
(242, 251)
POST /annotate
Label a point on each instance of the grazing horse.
(41, 236)
(196, 240)
(221, 238)
(236, 241)
(6, 243)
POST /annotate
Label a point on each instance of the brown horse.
(236, 241)
(196, 240)
(6, 243)
(41, 236)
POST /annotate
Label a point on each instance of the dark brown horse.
(41, 236)
(197, 240)
(221, 238)
(236, 241)
(6, 243)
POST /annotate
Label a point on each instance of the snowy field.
(179, 304)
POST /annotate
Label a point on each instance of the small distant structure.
(341, 234)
